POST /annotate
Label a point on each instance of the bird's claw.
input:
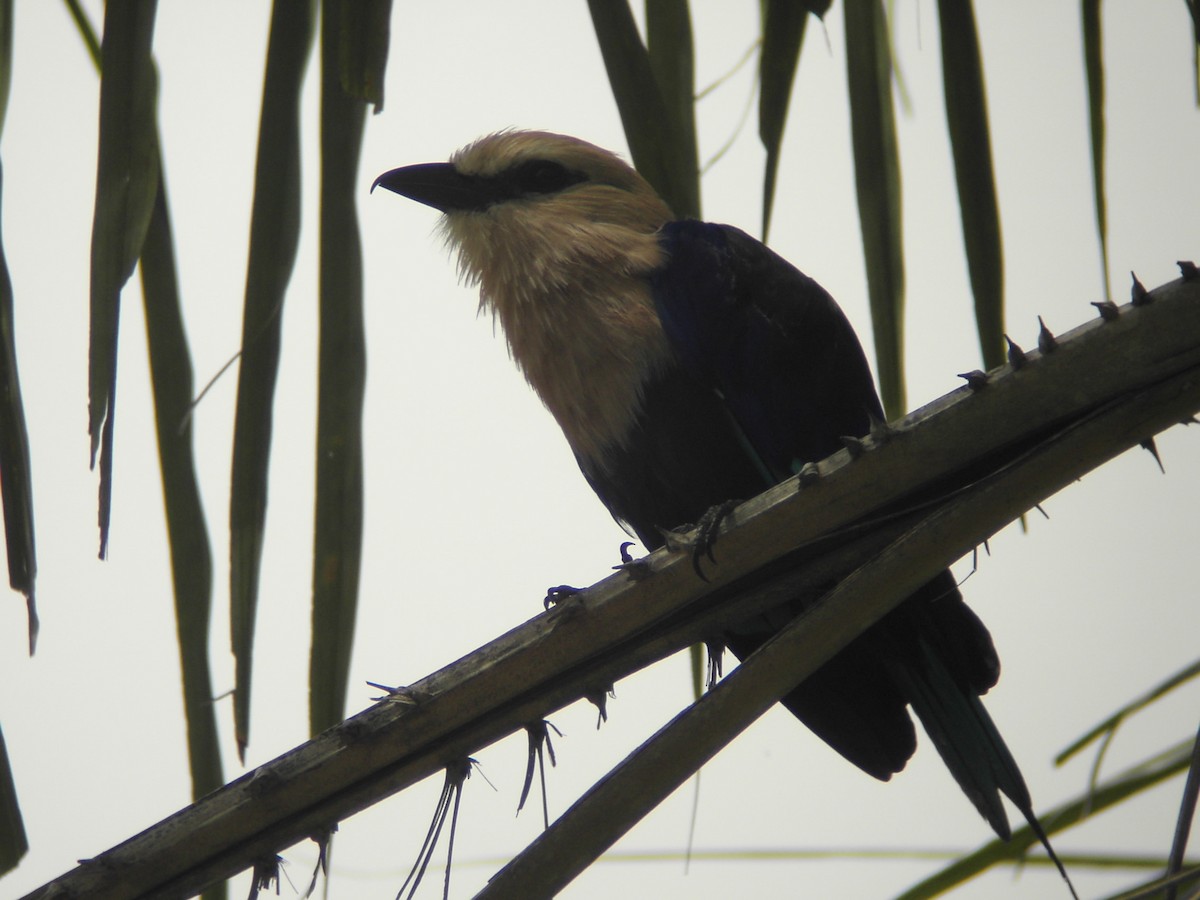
(705, 534)
(557, 594)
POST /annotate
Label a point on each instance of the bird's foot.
(557, 594)
(704, 534)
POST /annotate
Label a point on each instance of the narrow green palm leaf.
(1128, 783)
(672, 60)
(1093, 59)
(17, 483)
(13, 842)
(639, 101)
(6, 44)
(967, 119)
(274, 236)
(654, 86)
(15, 467)
(191, 557)
(126, 183)
(1160, 886)
(363, 49)
(16, 480)
(337, 546)
(877, 180)
(1193, 7)
(1111, 723)
(86, 32)
(18, 529)
(782, 36)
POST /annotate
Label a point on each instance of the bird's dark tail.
(969, 743)
(931, 653)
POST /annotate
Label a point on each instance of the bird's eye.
(544, 176)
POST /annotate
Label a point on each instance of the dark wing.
(786, 371)
(768, 339)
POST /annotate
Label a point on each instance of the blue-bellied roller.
(688, 364)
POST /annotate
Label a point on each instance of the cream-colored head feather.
(566, 275)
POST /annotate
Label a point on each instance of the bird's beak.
(439, 185)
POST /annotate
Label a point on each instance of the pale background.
(474, 504)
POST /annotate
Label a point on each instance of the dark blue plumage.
(768, 338)
(767, 375)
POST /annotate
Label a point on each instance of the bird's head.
(560, 236)
(525, 208)
(535, 171)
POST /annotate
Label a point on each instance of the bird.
(688, 364)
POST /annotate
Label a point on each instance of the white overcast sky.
(474, 504)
